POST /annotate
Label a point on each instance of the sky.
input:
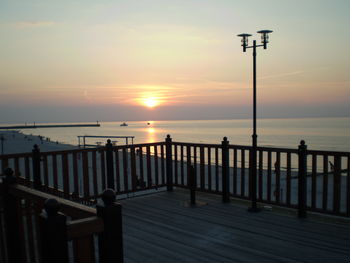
(121, 60)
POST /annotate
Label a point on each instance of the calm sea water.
(319, 133)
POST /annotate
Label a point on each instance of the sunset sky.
(113, 60)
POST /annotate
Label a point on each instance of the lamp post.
(253, 183)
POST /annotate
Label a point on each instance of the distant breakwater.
(48, 126)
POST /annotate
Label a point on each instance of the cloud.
(30, 24)
(283, 75)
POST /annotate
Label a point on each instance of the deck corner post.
(169, 163)
(225, 171)
(36, 158)
(111, 239)
(53, 233)
(302, 154)
(109, 164)
(11, 219)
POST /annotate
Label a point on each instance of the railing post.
(111, 239)
(302, 153)
(109, 162)
(192, 185)
(11, 217)
(169, 163)
(225, 171)
(36, 167)
(53, 228)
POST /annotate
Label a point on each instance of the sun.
(150, 102)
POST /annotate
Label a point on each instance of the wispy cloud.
(30, 24)
(293, 73)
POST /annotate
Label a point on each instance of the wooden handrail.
(69, 208)
(84, 227)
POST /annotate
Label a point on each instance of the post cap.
(36, 147)
(52, 206)
(302, 142)
(108, 196)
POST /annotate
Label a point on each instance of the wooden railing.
(38, 227)
(296, 178)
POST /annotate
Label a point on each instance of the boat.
(124, 124)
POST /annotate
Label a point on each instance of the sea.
(331, 134)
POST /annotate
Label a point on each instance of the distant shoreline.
(18, 142)
(194, 119)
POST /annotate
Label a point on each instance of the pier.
(35, 126)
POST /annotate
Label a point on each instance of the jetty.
(35, 126)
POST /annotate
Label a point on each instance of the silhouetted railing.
(39, 227)
(296, 178)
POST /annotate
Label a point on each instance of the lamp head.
(244, 37)
(265, 37)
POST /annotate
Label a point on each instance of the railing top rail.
(319, 152)
(67, 207)
(231, 146)
(84, 227)
(196, 144)
(80, 150)
(236, 146)
(138, 145)
(277, 149)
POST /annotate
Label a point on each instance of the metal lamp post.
(253, 183)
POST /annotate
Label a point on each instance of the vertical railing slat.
(313, 181)
(133, 168)
(260, 176)
(202, 167)
(27, 170)
(94, 173)
(117, 168)
(348, 187)
(217, 168)
(235, 171)
(182, 165)
(162, 162)
(125, 170)
(156, 165)
(195, 161)
(269, 161)
(325, 183)
(149, 167)
(103, 168)
(242, 172)
(209, 168)
(289, 173)
(86, 175)
(75, 174)
(54, 171)
(188, 155)
(65, 175)
(176, 174)
(46, 172)
(278, 176)
(336, 184)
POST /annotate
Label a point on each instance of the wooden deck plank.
(159, 228)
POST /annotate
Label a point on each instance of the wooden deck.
(161, 228)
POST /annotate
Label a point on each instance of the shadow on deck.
(162, 228)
